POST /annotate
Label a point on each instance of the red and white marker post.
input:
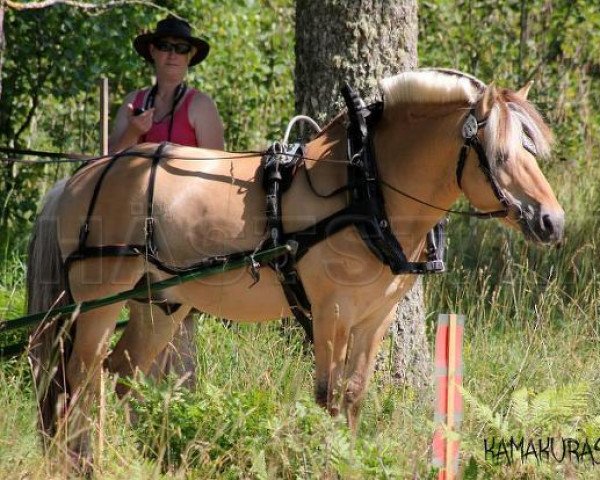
(449, 402)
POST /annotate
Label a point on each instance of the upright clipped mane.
(430, 86)
(511, 117)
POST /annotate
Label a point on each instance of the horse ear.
(524, 91)
(487, 101)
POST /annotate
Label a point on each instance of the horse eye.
(528, 144)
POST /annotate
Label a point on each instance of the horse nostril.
(548, 224)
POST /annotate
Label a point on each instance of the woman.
(169, 111)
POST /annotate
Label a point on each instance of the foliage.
(269, 428)
(557, 417)
(556, 44)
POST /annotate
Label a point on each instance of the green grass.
(251, 416)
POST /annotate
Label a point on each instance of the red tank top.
(183, 132)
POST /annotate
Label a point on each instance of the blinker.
(528, 144)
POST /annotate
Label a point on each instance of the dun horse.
(216, 206)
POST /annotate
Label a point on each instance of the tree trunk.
(359, 41)
(362, 41)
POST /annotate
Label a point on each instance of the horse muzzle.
(543, 225)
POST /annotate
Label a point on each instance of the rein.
(464, 213)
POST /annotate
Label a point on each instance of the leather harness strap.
(365, 189)
(149, 222)
(279, 168)
(470, 129)
(366, 208)
(149, 248)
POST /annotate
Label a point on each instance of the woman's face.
(171, 56)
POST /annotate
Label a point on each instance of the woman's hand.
(139, 124)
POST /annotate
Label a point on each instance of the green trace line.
(202, 272)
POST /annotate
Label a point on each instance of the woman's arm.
(204, 117)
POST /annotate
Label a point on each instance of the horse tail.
(47, 289)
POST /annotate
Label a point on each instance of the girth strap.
(279, 167)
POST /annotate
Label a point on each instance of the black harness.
(469, 133)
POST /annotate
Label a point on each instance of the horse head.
(451, 133)
(503, 172)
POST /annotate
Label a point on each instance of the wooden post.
(103, 116)
(103, 151)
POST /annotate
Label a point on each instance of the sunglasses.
(180, 48)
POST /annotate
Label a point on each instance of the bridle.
(470, 129)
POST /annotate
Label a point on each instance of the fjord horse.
(211, 203)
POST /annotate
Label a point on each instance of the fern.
(486, 415)
(554, 407)
(519, 406)
(555, 412)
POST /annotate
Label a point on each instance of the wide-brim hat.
(171, 27)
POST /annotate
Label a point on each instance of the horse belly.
(233, 296)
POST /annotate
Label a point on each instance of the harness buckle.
(254, 269)
(149, 227)
(470, 127)
(435, 266)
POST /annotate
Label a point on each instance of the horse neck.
(417, 150)
(331, 146)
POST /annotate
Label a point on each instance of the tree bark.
(350, 40)
(362, 41)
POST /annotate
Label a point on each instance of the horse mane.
(436, 86)
(511, 117)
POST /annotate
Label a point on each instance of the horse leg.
(149, 331)
(92, 333)
(179, 356)
(90, 344)
(362, 352)
(331, 335)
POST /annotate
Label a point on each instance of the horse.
(211, 203)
